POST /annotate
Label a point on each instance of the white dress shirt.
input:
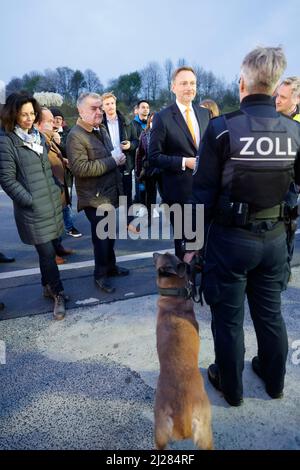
(182, 108)
(113, 127)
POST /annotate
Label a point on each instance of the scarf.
(31, 140)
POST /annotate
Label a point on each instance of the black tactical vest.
(260, 164)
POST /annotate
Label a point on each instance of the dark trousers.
(291, 201)
(127, 187)
(104, 254)
(151, 183)
(48, 267)
(178, 242)
(242, 263)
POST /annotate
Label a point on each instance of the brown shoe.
(59, 311)
(59, 260)
(132, 228)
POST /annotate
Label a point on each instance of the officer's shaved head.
(262, 69)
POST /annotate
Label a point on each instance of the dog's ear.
(167, 269)
(155, 258)
(181, 269)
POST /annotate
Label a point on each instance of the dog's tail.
(201, 427)
(163, 429)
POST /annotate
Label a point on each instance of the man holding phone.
(123, 136)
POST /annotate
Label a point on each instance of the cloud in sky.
(121, 36)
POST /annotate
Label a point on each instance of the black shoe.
(214, 378)
(74, 233)
(6, 259)
(105, 285)
(257, 369)
(118, 271)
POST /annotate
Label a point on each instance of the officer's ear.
(242, 84)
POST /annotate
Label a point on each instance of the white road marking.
(82, 264)
(91, 300)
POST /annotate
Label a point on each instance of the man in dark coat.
(175, 137)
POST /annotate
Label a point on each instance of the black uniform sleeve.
(297, 168)
(212, 153)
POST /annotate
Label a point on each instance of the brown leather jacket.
(97, 177)
(57, 166)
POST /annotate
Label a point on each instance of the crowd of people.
(244, 167)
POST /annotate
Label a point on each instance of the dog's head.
(169, 265)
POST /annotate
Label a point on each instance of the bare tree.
(92, 82)
(49, 81)
(151, 80)
(169, 68)
(146, 83)
(31, 81)
(181, 62)
(200, 72)
(65, 75)
(15, 85)
(207, 84)
(77, 84)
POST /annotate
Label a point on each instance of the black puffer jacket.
(27, 179)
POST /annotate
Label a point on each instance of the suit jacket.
(170, 141)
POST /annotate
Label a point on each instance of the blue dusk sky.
(114, 37)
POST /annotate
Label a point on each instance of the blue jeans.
(48, 266)
(240, 263)
(68, 218)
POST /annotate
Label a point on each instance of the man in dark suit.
(175, 137)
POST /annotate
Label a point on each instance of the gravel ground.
(89, 382)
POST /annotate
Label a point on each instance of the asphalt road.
(89, 381)
(20, 286)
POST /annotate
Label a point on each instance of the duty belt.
(239, 214)
(275, 212)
